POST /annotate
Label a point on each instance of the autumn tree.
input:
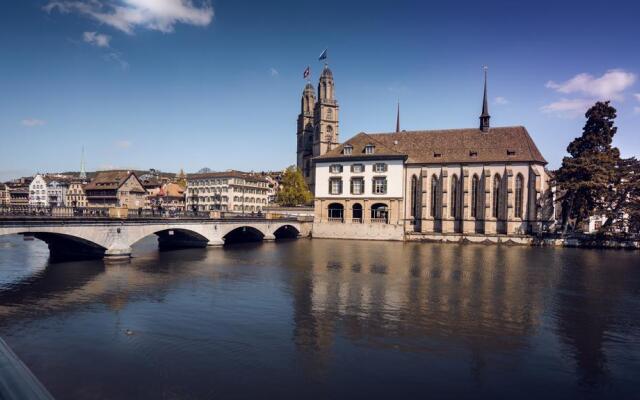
(586, 175)
(293, 189)
(181, 179)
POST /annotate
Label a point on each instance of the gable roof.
(110, 180)
(502, 144)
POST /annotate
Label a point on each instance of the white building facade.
(230, 191)
(38, 192)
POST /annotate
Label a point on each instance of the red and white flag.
(306, 73)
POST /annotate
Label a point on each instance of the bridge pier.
(118, 253)
(269, 237)
(215, 243)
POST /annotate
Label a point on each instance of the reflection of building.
(317, 124)
(484, 181)
(227, 191)
(115, 189)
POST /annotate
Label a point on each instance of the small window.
(335, 186)
(369, 149)
(357, 186)
(379, 185)
(380, 167)
(335, 168)
(511, 152)
(347, 150)
(357, 168)
(473, 153)
(437, 155)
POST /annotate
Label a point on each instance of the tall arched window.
(414, 196)
(434, 195)
(496, 196)
(518, 205)
(475, 184)
(454, 196)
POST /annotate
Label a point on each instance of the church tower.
(305, 130)
(317, 124)
(325, 115)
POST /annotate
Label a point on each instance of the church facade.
(318, 128)
(476, 184)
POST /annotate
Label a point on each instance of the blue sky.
(173, 84)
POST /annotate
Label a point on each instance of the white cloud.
(273, 72)
(637, 96)
(33, 122)
(96, 39)
(126, 15)
(123, 144)
(568, 107)
(116, 57)
(609, 86)
(501, 100)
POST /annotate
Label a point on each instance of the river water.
(327, 319)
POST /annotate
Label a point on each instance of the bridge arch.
(170, 236)
(244, 233)
(286, 231)
(64, 246)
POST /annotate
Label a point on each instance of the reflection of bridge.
(113, 238)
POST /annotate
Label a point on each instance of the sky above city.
(171, 84)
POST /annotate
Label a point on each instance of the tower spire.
(485, 117)
(83, 173)
(398, 118)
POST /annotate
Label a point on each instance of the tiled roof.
(108, 180)
(502, 144)
(227, 174)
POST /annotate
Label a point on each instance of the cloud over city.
(123, 144)
(96, 39)
(588, 89)
(128, 15)
(501, 100)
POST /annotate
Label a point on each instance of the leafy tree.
(585, 176)
(293, 189)
(621, 204)
(204, 170)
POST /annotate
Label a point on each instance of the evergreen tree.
(585, 176)
(621, 203)
(293, 189)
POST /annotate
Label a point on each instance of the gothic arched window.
(414, 196)
(496, 196)
(455, 194)
(434, 195)
(518, 200)
(475, 184)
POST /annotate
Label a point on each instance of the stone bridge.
(113, 238)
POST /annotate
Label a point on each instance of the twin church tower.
(317, 124)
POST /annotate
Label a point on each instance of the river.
(326, 319)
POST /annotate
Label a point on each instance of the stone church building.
(476, 184)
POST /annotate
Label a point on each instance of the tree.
(621, 204)
(293, 189)
(585, 176)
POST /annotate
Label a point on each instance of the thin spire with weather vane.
(83, 173)
(485, 117)
(398, 118)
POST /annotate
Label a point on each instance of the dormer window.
(369, 149)
(347, 150)
(437, 155)
(335, 168)
(511, 152)
(473, 154)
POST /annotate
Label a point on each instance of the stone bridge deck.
(113, 238)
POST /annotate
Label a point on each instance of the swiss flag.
(307, 72)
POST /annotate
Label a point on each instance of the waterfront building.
(56, 191)
(76, 196)
(5, 198)
(115, 189)
(318, 127)
(232, 191)
(170, 197)
(19, 197)
(480, 182)
(38, 193)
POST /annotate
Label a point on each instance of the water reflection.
(318, 318)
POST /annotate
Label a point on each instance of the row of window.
(378, 185)
(499, 197)
(358, 168)
(347, 150)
